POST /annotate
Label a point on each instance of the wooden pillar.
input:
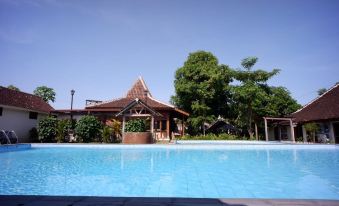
(304, 134)
(266, 129)
(152, 124)
(123, 127)
(331, 132)
(168, 127)
(256, 131)
(182, 127)
(292, 131)
(160, 129)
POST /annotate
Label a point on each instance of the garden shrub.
(63, 127)
(223, 136)
(33, 135)
(47, 129)
(106, 134)
(135, 125)
(88, 128)
(115, 126)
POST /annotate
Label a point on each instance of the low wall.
(137, 138)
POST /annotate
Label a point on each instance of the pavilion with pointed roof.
(137, 103)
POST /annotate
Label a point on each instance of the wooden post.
(168, 127)
(123, 127)
(331, 132)
(256, 131)
(160, 129)
(292, 131)
(304, 134)
(152, 124)
(266, 130)
(183, 128)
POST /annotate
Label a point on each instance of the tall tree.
(321, 91)
(251, 91)
(13, 87)
(46, 93)
(280, 103)
(201, 88)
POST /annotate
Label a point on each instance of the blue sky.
(99, 48)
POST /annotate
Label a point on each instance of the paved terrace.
(18, 200)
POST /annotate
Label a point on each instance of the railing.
(3, 132)
(9, 135)
(16, 137)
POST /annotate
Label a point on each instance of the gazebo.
(137, 103)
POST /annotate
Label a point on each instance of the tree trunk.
(256, 131)
(249, 127)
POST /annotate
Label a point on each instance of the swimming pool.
(214, 171)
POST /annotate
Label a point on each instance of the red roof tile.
(139, 90)
(122, 102)
(32, 102)
(325, 107)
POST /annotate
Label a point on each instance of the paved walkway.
(13, 200)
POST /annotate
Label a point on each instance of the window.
(164, 125)
(33, 115)
(0, 111)
(283, 133)
(156, 124)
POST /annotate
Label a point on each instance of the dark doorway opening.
(336, 132)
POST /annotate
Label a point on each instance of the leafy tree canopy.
(46, 93)
(321, 91)
(13, 87)
(251, 94)
(201, 87)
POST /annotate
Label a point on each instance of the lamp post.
(72, 93)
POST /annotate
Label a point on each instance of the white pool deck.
(187, 144)
(208, 145)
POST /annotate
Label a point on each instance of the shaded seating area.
(222, 126)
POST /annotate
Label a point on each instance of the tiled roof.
(32, 102)
(122, 102)
(140, 91)
(325, 107)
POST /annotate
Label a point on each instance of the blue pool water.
(229, 171)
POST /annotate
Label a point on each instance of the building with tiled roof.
(20, 111)
(164, 124)
(323, 110)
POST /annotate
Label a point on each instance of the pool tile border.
(27, 200)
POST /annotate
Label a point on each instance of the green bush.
(106, 134)
(64, 126)
(47, 129)
(135, 125)
(33, 135)
(115, 126)
(213, 137)
(88, 128)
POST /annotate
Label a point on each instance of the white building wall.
(19, 121)
(77, 117)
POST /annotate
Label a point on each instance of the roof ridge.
(104, 102)
(134, 89)
(13, 90)
(169, 105)
(318, 97)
